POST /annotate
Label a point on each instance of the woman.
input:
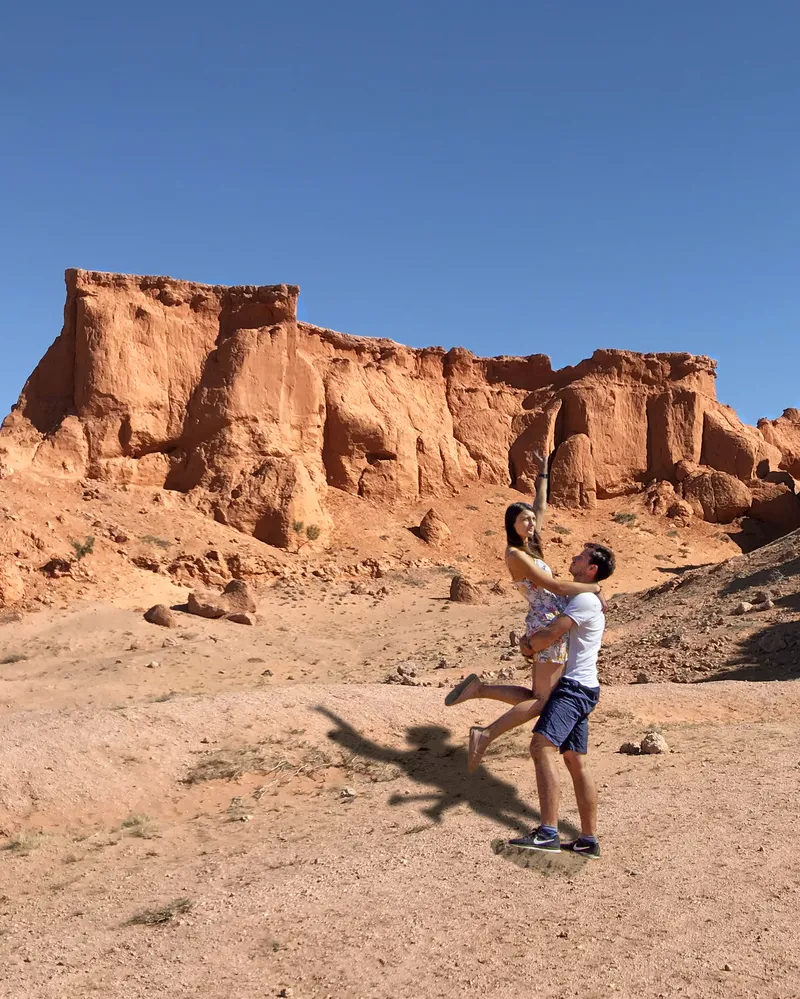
(547, 597)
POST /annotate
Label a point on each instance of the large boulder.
(776, 503)
(464, 591)
(434, 529)
(717, 496)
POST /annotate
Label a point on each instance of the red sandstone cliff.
(221, 394)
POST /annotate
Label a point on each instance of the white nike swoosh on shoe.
(541, 842)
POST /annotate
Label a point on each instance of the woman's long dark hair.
(532, 546)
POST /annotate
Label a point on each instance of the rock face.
(221, 394)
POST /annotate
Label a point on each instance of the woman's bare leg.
(545, 677)
(472, 688)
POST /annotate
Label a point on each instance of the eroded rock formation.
(222, 394)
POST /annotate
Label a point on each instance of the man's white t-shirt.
(585, 638)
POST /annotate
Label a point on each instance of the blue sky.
(511, 177)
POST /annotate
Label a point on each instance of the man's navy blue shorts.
(564, 719)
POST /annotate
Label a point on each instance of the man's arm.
(542, 639)
(526, 568)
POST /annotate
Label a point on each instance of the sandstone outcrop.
(433, 528)
(222, 395)
(12, 588)
(464, 591)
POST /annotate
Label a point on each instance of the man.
(563, 726)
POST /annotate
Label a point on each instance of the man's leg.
(585, 791)
(545, 760)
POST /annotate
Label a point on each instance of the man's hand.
(542, 639)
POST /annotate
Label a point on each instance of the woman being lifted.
(547, 597)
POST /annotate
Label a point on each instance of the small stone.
(347, 792)
(761, 597)
(513, 641)
(727, 967)
(161, 614)
(742, 608)
(764, 605)
(654, 743)
(642, 678)
(153, 664)
(630, 748)
(267, 672)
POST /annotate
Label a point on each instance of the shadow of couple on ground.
(440, 766)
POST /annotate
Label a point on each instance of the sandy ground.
(245, 812)
(361, 859)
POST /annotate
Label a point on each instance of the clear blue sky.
(514, 177)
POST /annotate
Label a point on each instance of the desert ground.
(283, 809)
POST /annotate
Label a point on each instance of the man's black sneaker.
(537, 840)
(583, 847)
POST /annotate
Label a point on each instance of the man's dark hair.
(603, 558)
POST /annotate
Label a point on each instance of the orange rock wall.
(221, 394)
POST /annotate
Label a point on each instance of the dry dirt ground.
(227, 811)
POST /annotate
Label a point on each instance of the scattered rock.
(742, 607)
(681, 512)
(153, 664)
(162, 615)
(242, 618)
(763, 605)
(433, 528)
(463, 591)
(654, 743)
(772, 642)
(630, 748)
(347, 792)
(659, 497)
(761, 596)
(513, 641)
(147, 562)
(57, 567)
(642, 678)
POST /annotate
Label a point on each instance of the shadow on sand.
(440, 766)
